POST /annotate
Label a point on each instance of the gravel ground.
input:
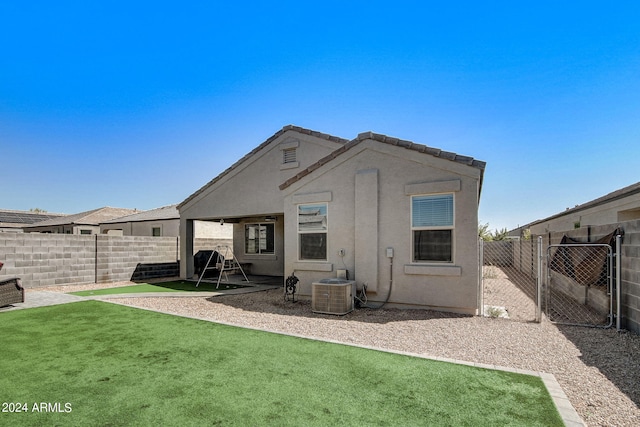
(598, 369)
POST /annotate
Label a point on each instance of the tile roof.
(260, 147)
(92, 217)
(627, 191)
(165, 212)
(436, 152)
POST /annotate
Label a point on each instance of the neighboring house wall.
(212, 230)
(74, 229)
(621, 205)
(167, 228)
(368, 192)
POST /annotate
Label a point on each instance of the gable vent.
(289, 155)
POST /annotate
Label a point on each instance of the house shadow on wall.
(158, 270)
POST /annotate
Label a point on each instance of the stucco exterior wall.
(73, 229)
(168, 228)
(250, 190)
(251, 187)
(614, 211)
(383, 177)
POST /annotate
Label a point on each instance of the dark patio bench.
(11, 291)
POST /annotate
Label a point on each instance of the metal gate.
(579, 285)
(509, 273)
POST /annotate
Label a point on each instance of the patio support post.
(539, 282)
(186, 248)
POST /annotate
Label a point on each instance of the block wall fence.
(42, 260)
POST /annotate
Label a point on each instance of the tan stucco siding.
(168, 228)
(623, 209)
(250, 190)
(387, 171)
(252, 187)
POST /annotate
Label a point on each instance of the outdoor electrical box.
(389, 252)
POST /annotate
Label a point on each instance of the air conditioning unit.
(332, 296)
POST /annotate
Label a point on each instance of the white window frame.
(260, 251)
(322, 229)
(448, 226)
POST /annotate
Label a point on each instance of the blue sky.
(138, 104)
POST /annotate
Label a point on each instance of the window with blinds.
(312, 232)
(432, 228)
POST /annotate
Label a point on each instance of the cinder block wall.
(630, 272)
(48, 259)
(55, 259)
(118, 256)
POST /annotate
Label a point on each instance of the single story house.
(164, 221)
(618, 206)
(401, 218)
(81, 223)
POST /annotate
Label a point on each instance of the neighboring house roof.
(613, 196)
(165, 212)
(93, 217)
(260, 147)
(21, 218)
(436, 152)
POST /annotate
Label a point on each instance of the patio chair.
(11, 291)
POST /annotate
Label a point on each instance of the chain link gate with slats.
(579, 284)
(509, 272)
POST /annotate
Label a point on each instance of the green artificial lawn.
(95, 363)
(178, 286)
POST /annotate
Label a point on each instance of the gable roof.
(627, 191)
(420, 148)
(257, 149)
(165, 212)
(92, 217)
